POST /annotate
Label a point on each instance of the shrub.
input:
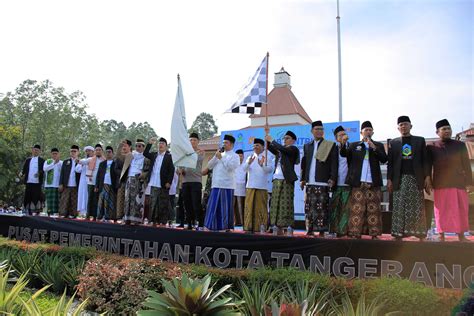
(118, 285)
(362, 308)
(50, 270)
(409, 298)
(222, 277)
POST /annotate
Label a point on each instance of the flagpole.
(266, 112)
(338, 18)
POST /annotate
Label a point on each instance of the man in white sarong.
(82, 195)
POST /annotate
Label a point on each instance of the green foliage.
(257, 297)
(50, 270)
(10, 300)
(204, 125)
(25, 263)
(313, 298)
(222, 277)
(362, 308)
(186, 296)
(39, 112)
(407, 297)
(63, 307)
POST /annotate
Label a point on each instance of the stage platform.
(447, 264)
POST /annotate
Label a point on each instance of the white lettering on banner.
(453, 276)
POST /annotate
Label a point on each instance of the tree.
(204, 125)
(40, 113)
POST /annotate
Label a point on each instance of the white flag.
(181, 150)
(254, 93)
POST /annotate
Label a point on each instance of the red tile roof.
(282, 101)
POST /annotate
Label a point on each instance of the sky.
(399, 57)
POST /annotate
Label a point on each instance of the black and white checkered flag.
(254, 93)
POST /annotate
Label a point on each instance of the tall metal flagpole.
(338, 19)
(266, 111)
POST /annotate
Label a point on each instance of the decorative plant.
(71, 271)
(186, 296)
(10, 301)
(346, 308)
(257, 297)
(311, 299)
(50, 270)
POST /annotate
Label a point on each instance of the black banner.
(444, 265)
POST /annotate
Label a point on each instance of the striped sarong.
(220, 210)
(282, 208)
(340, 210)
(106, 204)
(256, 209)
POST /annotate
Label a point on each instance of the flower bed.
(119, 285)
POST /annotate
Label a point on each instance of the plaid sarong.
(52, 200)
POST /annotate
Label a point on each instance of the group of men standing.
(351, 173)
(342, 182)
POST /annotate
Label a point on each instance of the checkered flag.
(254, 93)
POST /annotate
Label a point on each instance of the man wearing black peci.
(365, 178)
(318, 175)
(160, 179)
(408, 174)
(33, 179)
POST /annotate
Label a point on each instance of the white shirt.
(258, 175)
(155, 180)
(342, 170)
(366, 174)
(72, 175)
(33, 170)
(85, 167)
(240, 180)
(278, 172)
(107, 178)
(55, 168)
(312, 168)
(136, 166)
(223, 170)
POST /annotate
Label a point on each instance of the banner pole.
(266, 112)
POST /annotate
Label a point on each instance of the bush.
(409, 298)
(118, 285)
(222, 277)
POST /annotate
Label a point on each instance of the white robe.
(82, 194)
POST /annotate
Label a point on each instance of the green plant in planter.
(25, 262)
(312, 297)
(346, 308)
(189, 297)
(50, 270)
(257, 297)
(71, 271)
